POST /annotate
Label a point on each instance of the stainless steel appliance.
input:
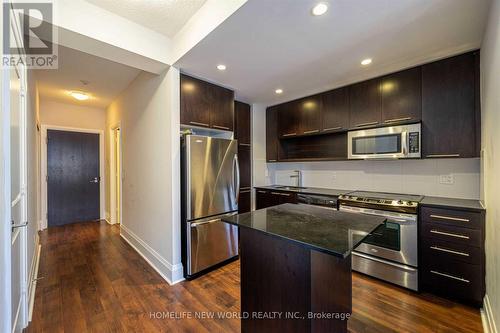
(390, 252)
(392, 142)
(210, 190)
(317, 200)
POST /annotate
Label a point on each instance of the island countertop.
(329, 231)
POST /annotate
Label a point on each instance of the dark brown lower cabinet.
(452, 258)
(245, 201)
(269, 198)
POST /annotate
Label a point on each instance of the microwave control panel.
(414, 144)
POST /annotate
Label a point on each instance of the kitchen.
(305, 166)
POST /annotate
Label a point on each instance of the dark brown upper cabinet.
(289, 119)
(335, 110)
(309, 115)
(402, 96)
(450, 124)
(205, 104)
(242, 123)
(365, 104)
(272, 141)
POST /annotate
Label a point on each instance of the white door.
(18, 194)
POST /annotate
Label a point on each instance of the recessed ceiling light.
(79, 95)
(221, 67)
(366, 61)
(279, 91)
(319, 9)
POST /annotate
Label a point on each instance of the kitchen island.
(296, 267)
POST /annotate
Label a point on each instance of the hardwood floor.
(93, 281)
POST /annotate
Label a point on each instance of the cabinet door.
(309, 115)
(243, 123)
(244, 202)
(287, 197)
(402, 96)
(448, 107)
(335, 110)
(245, 161)
(272, 134)
(221, 108)
(365, 104)
(288, 119)
(195, 102)
(264, 199)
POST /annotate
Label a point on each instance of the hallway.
(94, 281)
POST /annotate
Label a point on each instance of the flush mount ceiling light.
(79, 95)
(366, 61)
(221, 67)
(319, 9)
(279, 91)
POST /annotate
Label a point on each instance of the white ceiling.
(164, 16)
(278, 44)
(107, 79)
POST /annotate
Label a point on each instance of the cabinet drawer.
(457, 218)
(454, 280)
(449, 233)
(435, 249)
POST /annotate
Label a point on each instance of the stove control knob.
(400, 202)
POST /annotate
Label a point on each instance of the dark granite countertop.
(306, 190)
(321, 229)
(463, 204)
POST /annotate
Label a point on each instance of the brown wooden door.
(263, 199)
(272, 134)
(288, 119)
(243, 123)
(73, 177)
(449, 108)
(335, 110)
(309, 115)
(245, 163)
(221, 108)
(244, 201)
(402, 96)
(195, 102)
(365, 104)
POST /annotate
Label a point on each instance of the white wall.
(148, 111)
(410, 176)
(71, 115)
(490, 104)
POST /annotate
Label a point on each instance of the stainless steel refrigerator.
(210, 190)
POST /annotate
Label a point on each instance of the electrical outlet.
(447, 179)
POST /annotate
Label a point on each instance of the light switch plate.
(447, 179)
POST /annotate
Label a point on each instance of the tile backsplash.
(457, 178)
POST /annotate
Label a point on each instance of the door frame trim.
(112, 175)
(43, 173)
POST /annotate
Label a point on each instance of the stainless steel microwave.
(392, 142)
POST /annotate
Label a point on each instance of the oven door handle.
(382, 261)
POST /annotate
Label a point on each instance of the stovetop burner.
(380, 200)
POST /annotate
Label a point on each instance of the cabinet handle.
(366, 124)
(221, 127)
(264, 192)
(244, 191)
(450, 276)
(244, 188)
(437, 248)
(276, 193)
(448, 234)
(290, 134)
(397, 119)
(244, 144)
(285, 194)
(271, 160)
(450, 218)
(442, 155)
(198, 124)
(332, 128)
(310, 132)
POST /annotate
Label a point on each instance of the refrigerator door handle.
(236, 171)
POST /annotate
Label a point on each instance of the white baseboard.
(171, 273)
(32, 277)
(489, 324)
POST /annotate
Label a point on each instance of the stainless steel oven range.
(390, 252)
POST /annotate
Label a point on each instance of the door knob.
(95, 180)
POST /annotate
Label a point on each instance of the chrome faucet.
(298, 178)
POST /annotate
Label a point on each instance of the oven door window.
(377, 144)
(386, 235)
